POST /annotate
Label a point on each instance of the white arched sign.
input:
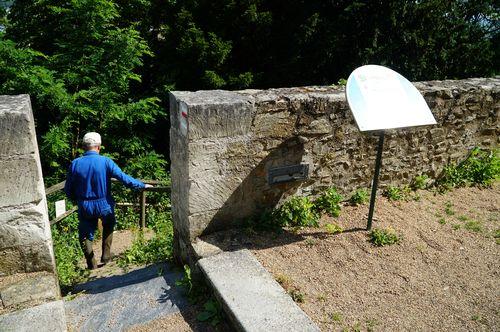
(380, 98)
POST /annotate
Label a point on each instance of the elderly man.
(89, 183)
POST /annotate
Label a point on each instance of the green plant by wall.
(382, 237)
(329, 202)
(420, 182)
(67, 253)
(481, 167)
(212, 311)
(397, 193)
(359, 197)
(297, 212)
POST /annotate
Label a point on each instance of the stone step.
(47, 317)
(253, 300)
(118, 302)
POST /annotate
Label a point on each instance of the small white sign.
(380, 98)
(183, 114)
(60, 207)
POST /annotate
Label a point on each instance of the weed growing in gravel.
(478, 318)
(442, 221)
(329, 202)
(310, 242)
(497, 236)
(448, 208)
(359, 197)
(336, 317)
(473, 225)
(356, 327)
(283, 280)
(370, 325)
(481, 167)
(463, 218)
(322, 298)
(333, 229)
(296, 295)
(382, 237)
(297, 212)
(456, 227)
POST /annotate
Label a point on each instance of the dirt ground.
(443, 276)
(122, 240)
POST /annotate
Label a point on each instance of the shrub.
(420, 182)
(382, 237)
(157, 249)
(329, 202)
(397, 193)
(67, 252)
(359, 197)
(481, 167)
(297, 212)
(333, 228)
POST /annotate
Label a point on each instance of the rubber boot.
(88, 251)
(107, 240)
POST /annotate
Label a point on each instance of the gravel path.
(443, 276)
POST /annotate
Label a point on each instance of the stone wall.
(224, 143)
(27, 269)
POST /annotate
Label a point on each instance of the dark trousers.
(86, 231)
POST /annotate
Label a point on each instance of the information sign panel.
(380, 98)
(60, 207)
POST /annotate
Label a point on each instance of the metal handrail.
(142, 223)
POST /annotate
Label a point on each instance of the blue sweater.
(89, 183)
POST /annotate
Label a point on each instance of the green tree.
(79, 68)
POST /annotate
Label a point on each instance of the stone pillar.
(200, 125)
(28, 278)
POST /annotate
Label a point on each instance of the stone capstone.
(47, 317)
(253, 300)
(37, 288)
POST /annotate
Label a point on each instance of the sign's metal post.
(142, 223)
(378, 164)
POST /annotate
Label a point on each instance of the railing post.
(143, 209)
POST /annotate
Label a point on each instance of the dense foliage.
(480, 168)
(107, 65)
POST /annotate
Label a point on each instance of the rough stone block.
(275, 125)
(11, 261)
(47, 317)
(16, 134)
(39, 287)
(39, 257)
(24, 227)
(253, 300)
(21, 181)
(216, 113)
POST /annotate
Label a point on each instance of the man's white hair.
(91, 139)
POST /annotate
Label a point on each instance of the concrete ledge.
(45, 317)
(250, 296)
